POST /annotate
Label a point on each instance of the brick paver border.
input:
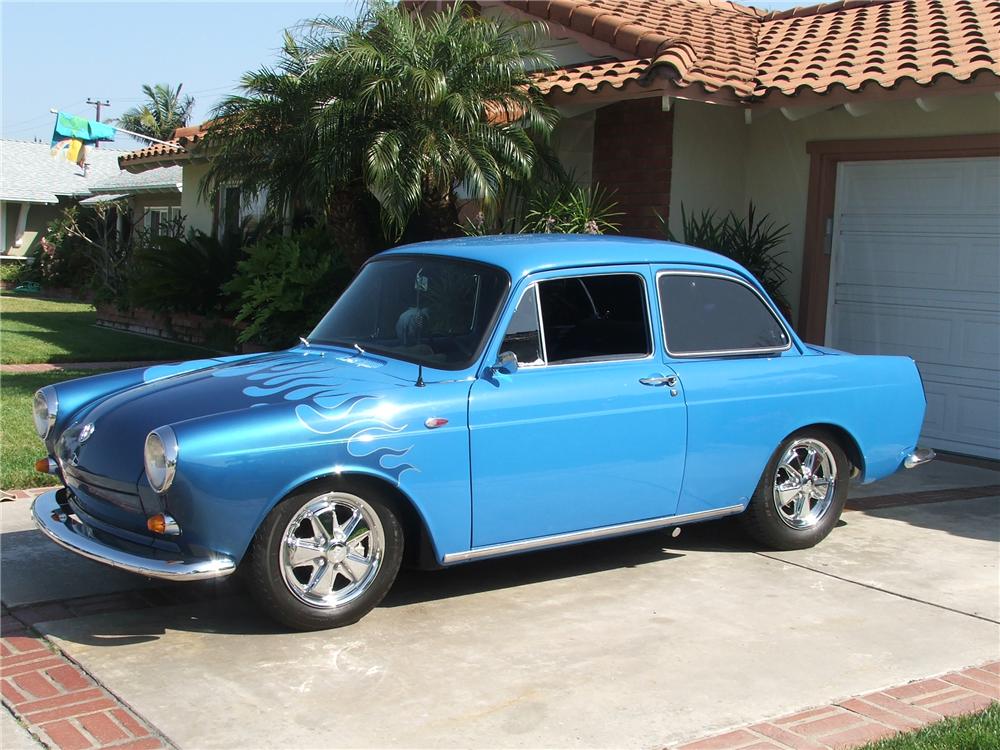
(59, 702)
(858, 721)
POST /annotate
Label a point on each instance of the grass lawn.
(19, 443)
(38, 330)
(975, 732)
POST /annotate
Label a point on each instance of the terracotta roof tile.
(183, 139)
(716, 44)
(614, 74)
(852, 44)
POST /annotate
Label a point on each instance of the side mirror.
(506, 363)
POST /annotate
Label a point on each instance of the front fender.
(233, 468)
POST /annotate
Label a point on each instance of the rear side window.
(587, 318)
(715, 315)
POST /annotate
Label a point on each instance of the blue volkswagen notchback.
(471, 398)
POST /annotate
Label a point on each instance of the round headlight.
(160, 457)
(44, 410)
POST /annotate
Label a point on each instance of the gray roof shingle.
(30, 174)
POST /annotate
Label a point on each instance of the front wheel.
(801, 494)
(325, 559)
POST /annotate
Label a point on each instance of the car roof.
(522, 254)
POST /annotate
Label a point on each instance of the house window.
(158, 219)
(716, 315)
(236, 207)
(229, 212)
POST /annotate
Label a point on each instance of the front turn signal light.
(161, 523)
(46, 466)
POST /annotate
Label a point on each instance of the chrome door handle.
(667, 380)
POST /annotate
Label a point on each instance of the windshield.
(426, 309)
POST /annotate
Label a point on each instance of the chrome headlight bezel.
(44, 410)
(159, 456)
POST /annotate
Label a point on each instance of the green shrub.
(12, 270)
(555, 206)
(284, 285)
(170, 274)
(751, 241)
(66, 264)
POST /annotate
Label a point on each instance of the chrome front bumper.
(919, 457)
(69, 532)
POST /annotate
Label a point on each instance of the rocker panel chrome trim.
(573, 537)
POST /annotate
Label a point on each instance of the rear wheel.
(325, 559)
(801, 494)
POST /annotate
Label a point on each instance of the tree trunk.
(348, 228)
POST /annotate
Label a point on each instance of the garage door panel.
(955, 338)
(954, 224)
(916, 271)
(924, 186)
(968, 419)
(960, 264)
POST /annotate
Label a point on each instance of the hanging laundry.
(72, 134)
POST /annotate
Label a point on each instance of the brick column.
(633, 146)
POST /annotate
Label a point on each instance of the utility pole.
(97, 105)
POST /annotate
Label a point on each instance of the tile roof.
(181, 143)
(717, 45)
(30, 174)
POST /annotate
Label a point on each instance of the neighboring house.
(872, 129)
(35, 187)
(219, 217)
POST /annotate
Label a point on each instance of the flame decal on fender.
(328, 408)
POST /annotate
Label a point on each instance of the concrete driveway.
(639, 642)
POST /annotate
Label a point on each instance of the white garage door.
(916, 271)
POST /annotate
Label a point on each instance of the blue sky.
(59, 54)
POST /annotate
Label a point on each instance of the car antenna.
(420, 376)
(304, 340)
(358, 349)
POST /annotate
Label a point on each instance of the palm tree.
(265, 139)
(393, 108)
(164, 111)
(447, 102)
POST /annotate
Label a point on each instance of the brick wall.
(186, 327)
(633, 146)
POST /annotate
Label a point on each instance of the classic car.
(470, 398)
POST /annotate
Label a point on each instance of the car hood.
(117, 426)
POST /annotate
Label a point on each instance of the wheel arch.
(847, 442)
(420, 550)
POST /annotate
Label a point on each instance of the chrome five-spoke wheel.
(801, 492)
(331, 550)
(327, 554)
(805, 482)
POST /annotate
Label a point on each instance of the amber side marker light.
(46, 466)
(161, 523)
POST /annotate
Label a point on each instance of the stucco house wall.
(198, 212)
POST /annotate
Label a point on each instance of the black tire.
(773, 527)
(267, 569)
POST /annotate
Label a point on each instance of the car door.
(745, 382)
(587, 432)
